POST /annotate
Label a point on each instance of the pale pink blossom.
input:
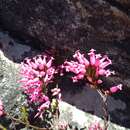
(38, 67)
(37, 73)
(114, 89)
(92, 57)
(37, 95)
(1, 108)
(42, 108)
(95, 126)
(80, 57)
(62, 125)
(56, 92)
(91, 69)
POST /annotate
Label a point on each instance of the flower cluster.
(37, 73)
(95, 126)
(1, 109)
(90, 70)
(62, 125)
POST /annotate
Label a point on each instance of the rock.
(123, 5)
(65, 24)
(88, 100)
(9, 70)
(81, 120)
(78, 95)
(71, 25)
(8, 82)
(124, 2)
(13, 49)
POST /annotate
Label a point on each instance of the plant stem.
(105, 110)
(27, 125)
(2, 127)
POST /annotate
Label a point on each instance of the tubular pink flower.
(55, 91)
(114, 89)
(92, 70)
(62, 125)
(80, 57)
(42, 108)
(1, 108)
(37, 73)
(108, 73)
(95, 126)
(105, 63)
(50, 62)
(37, 95)
(92, 57)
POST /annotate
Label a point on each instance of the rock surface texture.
(70, 25)
(66, 23)
(75, 116)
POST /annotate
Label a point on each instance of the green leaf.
(54, 105)
(24, 114)
(2, 127)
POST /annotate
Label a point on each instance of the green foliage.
(24, 114)
(2, 127)
(54, 105)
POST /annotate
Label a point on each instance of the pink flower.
(37, 95)
(56, 92)
(95, 126)
(92, 57)
(38, 68)
(62, 125)
(114, 89)
(1, 109)
(91, 69)
(37, 73)
(42, 108)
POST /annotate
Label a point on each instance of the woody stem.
(24, 123)
(105, 110)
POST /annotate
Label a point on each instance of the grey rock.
(64, 23)
(11, 49)
(71, 25)
(123, 5)
(78, 95)
(8, 82)
(10, 54)
(89, 100)
(80, 119)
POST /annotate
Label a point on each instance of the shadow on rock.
(88, 100)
